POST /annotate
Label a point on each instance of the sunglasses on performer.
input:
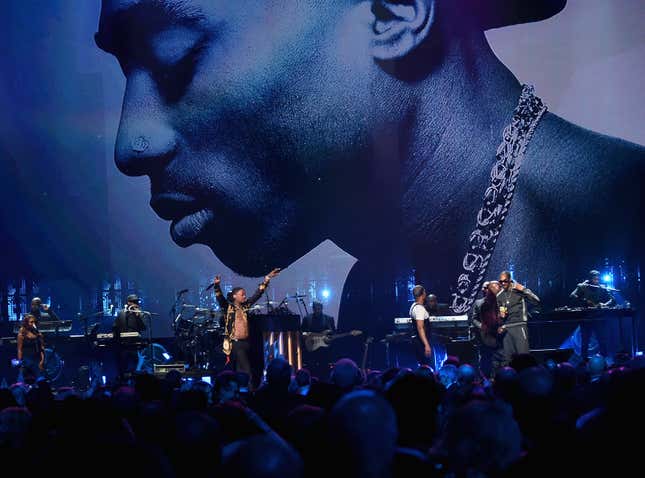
(504, 281)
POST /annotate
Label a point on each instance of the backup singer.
(236, 321)
(512, 301)
(485, 317)
(31, 350)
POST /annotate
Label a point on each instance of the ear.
(400, 26)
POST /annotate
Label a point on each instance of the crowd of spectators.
(546, 419)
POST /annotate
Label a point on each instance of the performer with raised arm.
(513, 310)
(236, 321)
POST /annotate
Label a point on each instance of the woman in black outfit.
(31, 350)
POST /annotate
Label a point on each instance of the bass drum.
(53, 365)
(147, 362)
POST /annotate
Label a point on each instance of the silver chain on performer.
(497, 198)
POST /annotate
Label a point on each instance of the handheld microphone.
(183, 291)
(210, 286)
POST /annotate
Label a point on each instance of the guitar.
(316, 340)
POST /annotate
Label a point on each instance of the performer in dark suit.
(130, 319)
(591, 293)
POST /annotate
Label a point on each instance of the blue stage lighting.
(607, 278)
(325, 293)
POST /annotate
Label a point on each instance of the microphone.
(183, 291)
(210, 286)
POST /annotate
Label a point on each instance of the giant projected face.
(241, 114)
(268, 126)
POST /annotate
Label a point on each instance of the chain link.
(497, 198)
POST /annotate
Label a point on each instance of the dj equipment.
(567, 318)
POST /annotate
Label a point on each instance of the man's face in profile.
(241, 113)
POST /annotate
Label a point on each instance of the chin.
(257, 259)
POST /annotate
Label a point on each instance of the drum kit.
(198, 331)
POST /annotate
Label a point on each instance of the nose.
(145, 141)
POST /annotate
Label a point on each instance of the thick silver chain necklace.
(497, 198)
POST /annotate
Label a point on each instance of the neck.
(462, 109)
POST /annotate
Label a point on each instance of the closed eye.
(174, 80)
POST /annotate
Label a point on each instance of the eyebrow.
(144, 19)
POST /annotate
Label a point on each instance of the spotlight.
(607, 278)
(325, 293)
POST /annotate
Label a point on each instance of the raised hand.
(518, 286)
(273, 273)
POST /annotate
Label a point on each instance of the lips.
(189, 217)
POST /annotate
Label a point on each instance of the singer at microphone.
(41, 312)
(30, 350)
(128, 320)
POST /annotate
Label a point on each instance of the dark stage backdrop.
(278, 134)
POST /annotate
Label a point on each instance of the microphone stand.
(304, 305)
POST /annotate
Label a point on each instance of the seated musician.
(130, 319)
(31, 350)
(42, 312)
(591, 293)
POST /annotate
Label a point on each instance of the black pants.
(127, 361)
(491, 359)
(515, 341)
(419, 352)
(586, 329)
(240, 357)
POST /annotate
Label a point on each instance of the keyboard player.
(42, 312)
(591, 294)
(130, 319)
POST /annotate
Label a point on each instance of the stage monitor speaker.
(557, 355)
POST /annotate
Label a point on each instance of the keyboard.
(123, 335)
(449, 318)
(50, 326)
